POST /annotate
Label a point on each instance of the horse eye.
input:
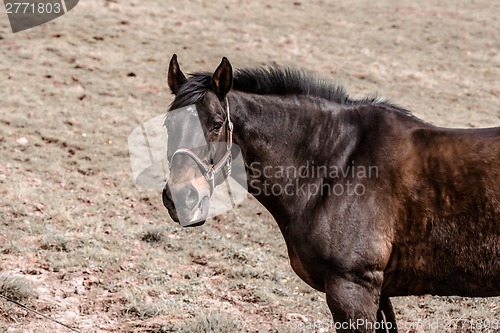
(217, 126)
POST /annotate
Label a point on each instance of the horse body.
(418, 231)
(426, 221)
(447, 238)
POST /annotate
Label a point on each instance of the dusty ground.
(81, 243)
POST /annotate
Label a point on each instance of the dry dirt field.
(81, 243)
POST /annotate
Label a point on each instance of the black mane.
(273, 81)
(287, 81)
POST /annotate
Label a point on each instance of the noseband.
(210, 171)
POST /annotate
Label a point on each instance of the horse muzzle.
(186, 204)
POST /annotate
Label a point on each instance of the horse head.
(199, 141)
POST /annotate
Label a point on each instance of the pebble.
(22, 141)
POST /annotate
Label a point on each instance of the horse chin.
(197, 224)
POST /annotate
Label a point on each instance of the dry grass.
(212, 323)
(16, 288)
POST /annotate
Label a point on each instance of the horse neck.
(287, 133)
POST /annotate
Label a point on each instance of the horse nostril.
(192, 197)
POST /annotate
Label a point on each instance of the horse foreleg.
(354, 306)
(386, 317)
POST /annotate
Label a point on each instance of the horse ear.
(222, 79)
(175, 76)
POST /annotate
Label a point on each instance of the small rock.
(22, 141)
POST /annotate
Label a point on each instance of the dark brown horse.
(372, 201)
